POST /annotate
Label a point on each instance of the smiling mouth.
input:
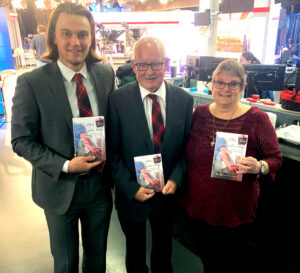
(75, 51)
(225, 95)
(150, 78)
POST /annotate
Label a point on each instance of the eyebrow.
(68, 30)
(65, 29)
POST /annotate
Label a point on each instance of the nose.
(150, 70)
(74, 40)
(226, 87)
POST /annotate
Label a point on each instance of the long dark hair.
(69, 8)
(250, 57)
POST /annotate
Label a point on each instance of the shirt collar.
(68, 73)
(160, 92)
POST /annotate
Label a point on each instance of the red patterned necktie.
(84, 104)
(157, 124)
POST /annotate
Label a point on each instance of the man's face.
(73, 39)
(149, 53)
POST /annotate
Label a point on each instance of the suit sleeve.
(26, 138)
(180, 168)
(121, 175)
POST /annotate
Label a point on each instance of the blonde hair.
(41, 29)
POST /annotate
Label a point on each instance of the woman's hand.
(248, 165)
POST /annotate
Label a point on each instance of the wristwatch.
(262, 167)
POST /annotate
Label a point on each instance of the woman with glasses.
(222, 210)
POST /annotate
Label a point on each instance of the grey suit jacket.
(42, 130)
(129, 136)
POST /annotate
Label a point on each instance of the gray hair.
(233, 67)
(149, 41)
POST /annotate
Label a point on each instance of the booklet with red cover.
(89, 137)
(229, 148)
(149, 171)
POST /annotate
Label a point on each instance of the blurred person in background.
(249, 58)
(38, 45)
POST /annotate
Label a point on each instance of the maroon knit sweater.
(219, 201)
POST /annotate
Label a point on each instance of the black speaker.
(231, 6)
(202, 18)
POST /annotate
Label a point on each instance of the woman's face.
(226, 96)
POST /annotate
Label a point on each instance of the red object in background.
(251, 100)
(269, 103)
(290, 100)
(256, 97)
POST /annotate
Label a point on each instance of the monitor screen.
(265, 77)
(207, 65)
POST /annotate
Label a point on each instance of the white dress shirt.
(70, 86)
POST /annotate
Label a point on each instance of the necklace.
(215, 129)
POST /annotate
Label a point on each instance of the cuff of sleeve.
(66, 166)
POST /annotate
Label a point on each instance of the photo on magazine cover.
(229, 148)
(149, 171)
(89, 137)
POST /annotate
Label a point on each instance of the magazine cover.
(149, 171)
(229, 148)
(89, 137)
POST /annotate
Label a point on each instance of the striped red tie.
(157, 124)
(84, 104)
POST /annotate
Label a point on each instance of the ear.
(166, 63)
(54, 39)
(93, 39)
(133, 66)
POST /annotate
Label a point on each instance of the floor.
(24, 237)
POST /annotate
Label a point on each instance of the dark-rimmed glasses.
(144, 66)
(231, 85)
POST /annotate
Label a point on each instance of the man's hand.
(80, 164)
(170, 187)
(144, 194)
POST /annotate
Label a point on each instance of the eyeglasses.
(231, 85)
(144, 66)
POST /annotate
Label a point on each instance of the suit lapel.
(97, 79)
(58, 88)
(139, 115)
(171, 107)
